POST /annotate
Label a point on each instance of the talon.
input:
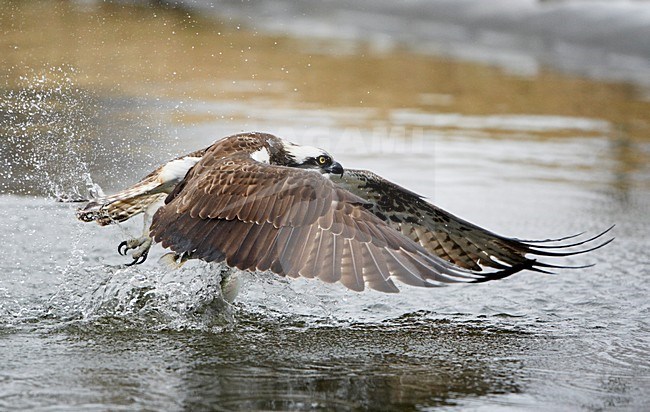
(138, 260)
(119, 248)
(143, 258)
(141, 246)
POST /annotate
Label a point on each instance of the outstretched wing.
(123, 205)
(451, 238)
(136, 199)
(293, 222)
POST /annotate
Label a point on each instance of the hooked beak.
(335, 168)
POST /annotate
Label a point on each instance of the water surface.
(103, 93)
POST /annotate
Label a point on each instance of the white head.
(293, 155)
(309, 157)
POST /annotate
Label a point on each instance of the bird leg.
(142, 244)
(230, 285)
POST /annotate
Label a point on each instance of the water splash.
(44, 124)
(47, 124)
(150, 299)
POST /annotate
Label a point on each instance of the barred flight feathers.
(452, 238)
(123, 205)
(138, 198)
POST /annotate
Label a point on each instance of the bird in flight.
(260, 203)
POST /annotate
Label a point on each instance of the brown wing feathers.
(294, 223)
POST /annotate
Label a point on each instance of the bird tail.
(121, 206)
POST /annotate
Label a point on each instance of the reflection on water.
(358, 367)
(275, 367)
(110, 90)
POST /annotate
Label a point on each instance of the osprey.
(257, 202)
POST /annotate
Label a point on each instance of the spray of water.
(45, 123)
(46, 127)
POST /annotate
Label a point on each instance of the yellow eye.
(322, 159)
